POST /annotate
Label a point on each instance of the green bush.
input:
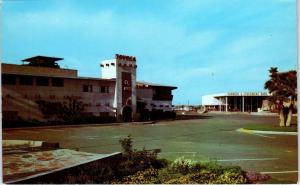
(134, 161)
(181, 165)
(207, 177)
(185, 171)
(148, 176)
(229, 177)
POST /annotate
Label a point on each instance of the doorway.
(127, 114)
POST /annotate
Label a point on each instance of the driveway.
(212, 138)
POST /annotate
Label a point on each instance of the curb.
(29, 143)
(79, 125)
(266, 132)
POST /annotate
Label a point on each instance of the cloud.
(196, 45)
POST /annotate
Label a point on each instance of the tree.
(283, 89)
(68, 110)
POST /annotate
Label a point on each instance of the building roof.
(238, 94)
(65, 77)
(43, 61)
(42, 58)
(142, 83)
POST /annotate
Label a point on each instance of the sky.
(200, 46)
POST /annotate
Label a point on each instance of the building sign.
(125, 57)
(247, 94)
(126, 88)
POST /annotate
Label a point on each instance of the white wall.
(210, 100)
(108, 72)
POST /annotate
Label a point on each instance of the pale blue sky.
(200, 46)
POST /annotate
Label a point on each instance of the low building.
(40, 78)
(236, 102)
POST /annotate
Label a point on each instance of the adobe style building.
(236, 102)
(117, 93)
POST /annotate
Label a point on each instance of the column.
(251, 103)
(226, 103)
(243, 105)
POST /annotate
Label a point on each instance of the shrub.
(203, 177)
(180, 180)
(68, 110)
(148, 176)
(134, 161)
(126, 144)
(229, 177)
(181, 165)
(189, 172)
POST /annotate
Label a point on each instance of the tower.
(123, 69)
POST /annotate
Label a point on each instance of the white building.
(235, 101)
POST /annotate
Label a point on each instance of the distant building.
(236, 102)
(185, 108)
(117, 93)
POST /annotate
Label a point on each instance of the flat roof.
(67, 77)
(238, 94)
(43, 58)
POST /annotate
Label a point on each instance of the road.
(212, 138)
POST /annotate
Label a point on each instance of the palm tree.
(283, 89)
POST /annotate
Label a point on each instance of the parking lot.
(212, 137)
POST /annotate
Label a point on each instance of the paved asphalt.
(214, 137)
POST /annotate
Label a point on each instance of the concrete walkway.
(266, 132)
(26, 159)
(19, 143)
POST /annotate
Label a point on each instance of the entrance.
(127, 114)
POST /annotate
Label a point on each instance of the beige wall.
(145, 93)
(29, 70)
(22, 98)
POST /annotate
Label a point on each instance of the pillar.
(243, 103)
(226, 103)
(251, 103)
(220, 103)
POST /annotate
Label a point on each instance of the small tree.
(126, 144)
(68, 110)
(71, 109)
(283, 89)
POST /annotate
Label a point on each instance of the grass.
(268, 127)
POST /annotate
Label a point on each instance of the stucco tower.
(123, 69)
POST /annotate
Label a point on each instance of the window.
(57, 82)
(104, 89)
(87, 88)
(8, 79)
(26, 80)
(42, 81)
